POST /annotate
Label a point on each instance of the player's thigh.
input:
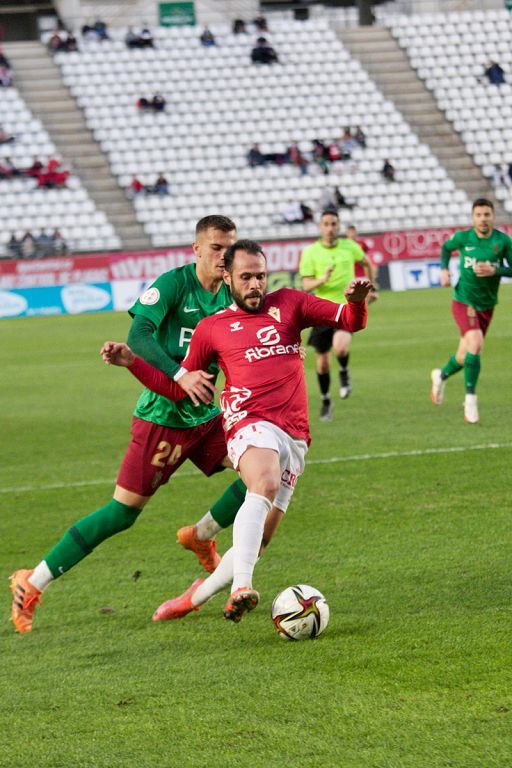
(341, 342)
(154, 453)
(260, 471)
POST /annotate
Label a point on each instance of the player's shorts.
(156, 452)
(470, 319)
(292, 454)
(321, 338)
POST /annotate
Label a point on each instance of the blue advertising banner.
(71, 299)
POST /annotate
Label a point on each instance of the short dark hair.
(250, 246)
(329, 212)
(481, 201)
(215, 222)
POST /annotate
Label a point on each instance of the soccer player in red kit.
(255, 341)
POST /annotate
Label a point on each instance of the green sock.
(471, 372)
(451, 367)
(224, 510)
(80, 540)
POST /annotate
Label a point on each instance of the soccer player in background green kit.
(164, 434)
(483, 253)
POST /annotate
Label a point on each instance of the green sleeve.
(453, 244)
(306, 267)
(506, 271)
(143, 343)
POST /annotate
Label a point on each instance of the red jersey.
(259, 355)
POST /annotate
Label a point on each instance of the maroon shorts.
(155, 453)
(471, 319)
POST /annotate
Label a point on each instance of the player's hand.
(372, 296)
(357, 290)
(484, 269)
(302, 352)
(198, 386)
(328, 273)
(117, 353)
(445, 278)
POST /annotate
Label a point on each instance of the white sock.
(247, 534)
(207, 527)
(41, 576)
(219, 580)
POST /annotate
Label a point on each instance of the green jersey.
(175, 303)
(317, 258)
(478, 292)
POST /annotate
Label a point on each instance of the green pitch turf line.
(330, 460)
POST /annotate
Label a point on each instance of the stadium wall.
(406, 259)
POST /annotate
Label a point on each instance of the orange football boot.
(206, 551)
(243, 600)
(25, 597)
(178, 607)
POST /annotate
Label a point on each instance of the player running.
(164, 434)
(483, 252)
(255, 342)
(326, 268)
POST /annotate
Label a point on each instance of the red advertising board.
(282, 256)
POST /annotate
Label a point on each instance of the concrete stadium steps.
(39, 82)
(389, 66)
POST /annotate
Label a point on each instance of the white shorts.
(292, 454)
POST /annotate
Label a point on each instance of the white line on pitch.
(331, 460)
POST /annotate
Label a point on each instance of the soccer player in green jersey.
(326, 268)
(485, 256)
(164, 434)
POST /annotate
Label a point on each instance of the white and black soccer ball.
(300, 612)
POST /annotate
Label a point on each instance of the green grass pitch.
(402, 519)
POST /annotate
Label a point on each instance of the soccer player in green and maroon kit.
(164, 434)
(485, 257)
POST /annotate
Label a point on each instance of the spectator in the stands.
(260, 23)
(28, 246)
(207, 37)
(53, 175)
(158, 102)
(96, 31)
(131, 39)
(5, 71)
(146, 37)
(341, 201)
(297, 158)
(5, 138)
(255, 156)
(293, 213)
(35, 169)
(161, 186)
(388, 171)
(494, 73)
(307, 212)
(44, 245)
(62, 41)
(8, 169)
(320, 154)
(263, 53)
(59, 245)
(14, 247)
(136, 187)
(360, 137)
(347, 144)
(239, 27)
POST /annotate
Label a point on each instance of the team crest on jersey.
(151, 296)
(275, 312)
(236, 326)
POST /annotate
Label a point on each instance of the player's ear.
(226, 277)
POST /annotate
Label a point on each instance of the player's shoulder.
(503, 236)
(286, 297)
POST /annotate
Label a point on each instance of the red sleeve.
(155, 380)
(349, 317)
(200, 352)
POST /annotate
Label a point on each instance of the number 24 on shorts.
(166, 454)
